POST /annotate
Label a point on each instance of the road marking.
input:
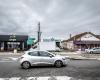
(42, 78)
(14, 59)
(8, 59)
(39, 78)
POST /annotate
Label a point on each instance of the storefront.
(10, 42)
(82, 41)
(86, 44)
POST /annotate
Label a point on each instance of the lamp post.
(39, 35)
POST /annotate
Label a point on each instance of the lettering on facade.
(12, 38)
(48, 40)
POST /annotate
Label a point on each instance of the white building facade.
(82, 41)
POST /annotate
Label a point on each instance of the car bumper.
(65, 62)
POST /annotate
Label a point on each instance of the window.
(35, 53)
(46, 54)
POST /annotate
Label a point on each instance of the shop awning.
(86, 42)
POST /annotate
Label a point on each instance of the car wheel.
(58, 64)
(25, 65)
(91, 52)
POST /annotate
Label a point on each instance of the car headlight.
(64, 58)
(20, 58)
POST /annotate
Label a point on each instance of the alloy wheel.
(58, 64)
(26, 65)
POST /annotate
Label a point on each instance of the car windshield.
(52, 53)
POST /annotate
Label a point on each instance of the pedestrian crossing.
(41, 78)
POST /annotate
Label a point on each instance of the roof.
(80, 35)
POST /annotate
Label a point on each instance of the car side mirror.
(51, 56)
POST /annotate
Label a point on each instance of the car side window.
(95, 48)
(35, 53)
(44, 54)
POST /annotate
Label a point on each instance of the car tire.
(58, 64)
(26, 65)
(91, 52)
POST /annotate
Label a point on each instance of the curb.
(84, 58)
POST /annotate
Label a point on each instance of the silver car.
(34, 58)
(93, 50)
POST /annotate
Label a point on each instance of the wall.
(67, 45)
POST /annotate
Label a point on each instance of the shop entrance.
(13, 45)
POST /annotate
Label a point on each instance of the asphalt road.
(78, 69)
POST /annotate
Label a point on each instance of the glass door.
(13, 45)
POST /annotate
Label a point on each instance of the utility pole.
(39, 35)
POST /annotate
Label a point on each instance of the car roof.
(26, 52)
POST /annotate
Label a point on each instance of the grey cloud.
(58, 18)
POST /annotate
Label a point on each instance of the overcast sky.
(58, 18)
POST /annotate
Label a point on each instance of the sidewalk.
(80, 55)
(71, 55)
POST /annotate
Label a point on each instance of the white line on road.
(39, 78)
(14, 59)
(8, 59)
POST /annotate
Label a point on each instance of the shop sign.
(51, 40)
(30, 41)
(12, 38)
(48, 40)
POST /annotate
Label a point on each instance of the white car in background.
(93, 50)
(34, 58)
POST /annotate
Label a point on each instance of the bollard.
(15, 50)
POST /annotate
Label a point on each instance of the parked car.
(34, 58)
(93, 50)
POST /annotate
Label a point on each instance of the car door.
(34, 57)
(46, 58)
